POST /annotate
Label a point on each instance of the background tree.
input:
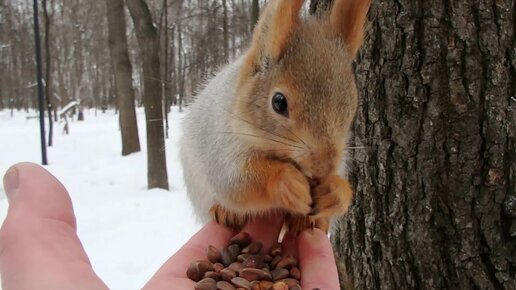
(148, 40)
(48, 71)
(123, 76)
(435, 204)
(255, 12)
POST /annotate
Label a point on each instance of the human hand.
(40, 249)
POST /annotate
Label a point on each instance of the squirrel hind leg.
(227, 218)
(298, 223)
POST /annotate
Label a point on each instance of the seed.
(268, 275)
(279, 286)
(254, 261)
(287, 262)
(214, 275)
(213, 254)
(251, 274)
(226, 257)
(295, 273)
(227, 275)
(267, 258)
(290, 282)
(206, 284)
(275, 261)
(223, 285)
(241, 282)
(253, 248)
(242, 257)
(218, 267)
(197, 269)
(275, 250)
(279, 274)
(266, 285)
(241, 266)
(242, 239)
(236, 267)
(234, 249)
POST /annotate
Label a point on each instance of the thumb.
(39, 247)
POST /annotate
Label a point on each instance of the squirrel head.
(296, 95)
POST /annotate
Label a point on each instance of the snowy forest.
(432, 157)
(196, 37)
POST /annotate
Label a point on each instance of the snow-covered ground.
(127, 230)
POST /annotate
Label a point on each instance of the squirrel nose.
(323, 163)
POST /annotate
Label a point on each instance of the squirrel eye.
(279, 104)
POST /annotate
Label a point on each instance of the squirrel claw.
(332, 197)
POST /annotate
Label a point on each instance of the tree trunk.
(255, 13)
(225, 30)
(435, 203)
(123, 76)
(148, 40)
(180, 62)
(48, 75)
(165, 74)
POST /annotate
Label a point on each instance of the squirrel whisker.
(260, 137)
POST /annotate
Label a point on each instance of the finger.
(265, 229)
(173, 272)
(39, 247)
(317, 261)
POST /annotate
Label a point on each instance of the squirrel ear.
(276, 26)
(348, 19)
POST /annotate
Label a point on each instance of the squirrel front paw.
(298, 223)
(332, 197)
(290, 189)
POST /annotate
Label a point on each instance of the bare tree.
(148, 40)
(48, 73)
(225, 30)
(255, 12)
(435, 204)
(123, 76)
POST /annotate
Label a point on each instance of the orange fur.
(276, 25)
(227, 218)
(284, 22)
(276, 185)
(348, 19)
(332, 197)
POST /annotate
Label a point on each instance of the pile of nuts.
(241, 266)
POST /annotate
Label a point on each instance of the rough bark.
(148, 41)
(435, 204)
(123, 76)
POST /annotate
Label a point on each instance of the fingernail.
(11, 182)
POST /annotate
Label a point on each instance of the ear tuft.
(348, 19)
(283, 24)
(275, 28)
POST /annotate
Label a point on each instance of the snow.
(127, 230)
(66, 108)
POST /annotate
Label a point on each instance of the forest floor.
(127, 230)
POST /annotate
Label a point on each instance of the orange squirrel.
(269, 130)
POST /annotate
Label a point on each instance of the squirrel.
(269, 131)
